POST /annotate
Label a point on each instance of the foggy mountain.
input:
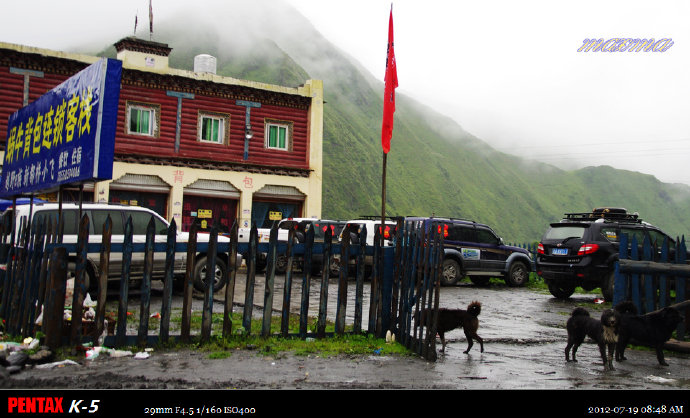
(434, 167)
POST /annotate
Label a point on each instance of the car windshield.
(565, 232)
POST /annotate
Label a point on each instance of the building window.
(213, 128)
(278, 135)
(142, 119)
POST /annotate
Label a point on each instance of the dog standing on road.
(604, 332)
(653, 328)
(449, 319)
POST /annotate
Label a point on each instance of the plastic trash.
(93, 352)
(31, 343)
(120, 353)
(10, 346)
(57, 364)
(88, 302)
(142, 355)
(39, 320)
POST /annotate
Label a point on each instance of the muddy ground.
(524, 340)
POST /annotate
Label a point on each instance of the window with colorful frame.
(213, 128)
(278, 135)
(143, 119)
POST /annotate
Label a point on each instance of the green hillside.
(434, 166)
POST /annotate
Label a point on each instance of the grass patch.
(220, 347)
(349, 344)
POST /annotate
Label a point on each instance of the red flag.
(391, 80)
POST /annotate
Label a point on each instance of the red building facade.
(192, 145)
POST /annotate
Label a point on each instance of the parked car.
(320, 227)
(119, 214)
(371, 224)
(473, 249)
(581, 249)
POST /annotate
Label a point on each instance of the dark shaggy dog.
(604, 332)
(449, 319)
(652, 329)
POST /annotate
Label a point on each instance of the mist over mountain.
(434, 167)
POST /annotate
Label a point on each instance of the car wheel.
(451, 272)
(281, 264)
(561, 290)
(219, 277)
(607, 286)
(518, 274)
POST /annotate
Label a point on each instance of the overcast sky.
(508, 71)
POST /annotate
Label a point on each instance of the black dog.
(604, 332)
(449, 319)
(652, 329)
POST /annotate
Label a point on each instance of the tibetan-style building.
(191, 145)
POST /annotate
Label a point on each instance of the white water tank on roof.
(204, 63)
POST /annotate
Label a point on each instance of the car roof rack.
(607, 214)
(450, 218)
(378, 217)
(456, 219)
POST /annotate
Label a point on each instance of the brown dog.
(449, 319)
(604, 331)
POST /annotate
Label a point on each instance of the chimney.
(138, 53)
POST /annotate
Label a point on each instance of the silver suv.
(98, 213)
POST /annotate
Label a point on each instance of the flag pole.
(383, 196)
(391, 82)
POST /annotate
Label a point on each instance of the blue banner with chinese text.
(67, 135)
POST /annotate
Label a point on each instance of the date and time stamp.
(656, 409)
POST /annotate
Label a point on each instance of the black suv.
(582, 249)
(474, 250)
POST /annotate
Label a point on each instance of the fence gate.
(653, 277)
(405, 283)
(416, 285)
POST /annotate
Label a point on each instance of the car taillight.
(588, 249)
(386, 232)
(540, 248)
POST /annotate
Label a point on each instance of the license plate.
(559, 251)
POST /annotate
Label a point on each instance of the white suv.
(98, 213)
(371, 225)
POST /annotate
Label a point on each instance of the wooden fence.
(652, 277)
(404, 279)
